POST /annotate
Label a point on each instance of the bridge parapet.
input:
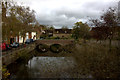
(11, 56)
(50, 42)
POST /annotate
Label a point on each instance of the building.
(62, 33)
(29, 35)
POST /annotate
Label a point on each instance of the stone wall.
(50, 42)
(10, 57)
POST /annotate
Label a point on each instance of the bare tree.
(106, 24)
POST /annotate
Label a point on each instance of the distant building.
(49, 33)
(62, 33)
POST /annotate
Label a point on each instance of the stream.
(45, 67)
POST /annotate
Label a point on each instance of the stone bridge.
(9, 57)
(57, 41)
(52, 45)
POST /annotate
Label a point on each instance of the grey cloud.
(56, 20)
(68, 16)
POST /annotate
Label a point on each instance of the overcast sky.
(66, 12)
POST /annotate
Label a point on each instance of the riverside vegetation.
(92, 58)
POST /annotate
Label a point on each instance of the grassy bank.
(97, 60)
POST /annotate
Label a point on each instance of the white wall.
(27, 37)
(20, 39)
(33, 34)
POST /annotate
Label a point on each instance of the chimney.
(3, 11)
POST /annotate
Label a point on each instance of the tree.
(110, 21)
(75, 33)
(98, 31)
(64, 27)
(51, 28)
(19, 20)
(27, 17)
(107, 24)
(81, 30)
(10, 23)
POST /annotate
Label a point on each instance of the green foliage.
(64, 27)
(51, 28)
(81, 30)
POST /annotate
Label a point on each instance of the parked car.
(8, 47)
(27, 41)
(3, 46)
(15, 44)
(31, 40)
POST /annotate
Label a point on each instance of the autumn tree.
(27, 17)
(18, 21)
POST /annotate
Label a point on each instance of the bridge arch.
(56, 48)
(42, 47)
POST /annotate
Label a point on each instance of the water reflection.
(50, 66)
(47, 67)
